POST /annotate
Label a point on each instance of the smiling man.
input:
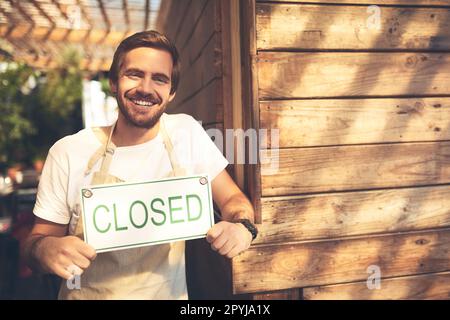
(144, 144)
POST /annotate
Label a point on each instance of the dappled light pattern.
(364, 165)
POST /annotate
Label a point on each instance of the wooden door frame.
(241, 108)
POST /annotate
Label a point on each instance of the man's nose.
(146, 86)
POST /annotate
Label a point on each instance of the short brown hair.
(149, 39)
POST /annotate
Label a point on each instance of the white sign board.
(129, 215)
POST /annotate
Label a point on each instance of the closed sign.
(129, 215)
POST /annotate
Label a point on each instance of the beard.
(147, 119)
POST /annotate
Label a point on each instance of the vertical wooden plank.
(223, 14)
(236, 78)
(250, 97)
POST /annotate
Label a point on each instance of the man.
(145, 144)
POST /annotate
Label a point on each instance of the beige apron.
(153, 272)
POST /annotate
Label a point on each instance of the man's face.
(143, 86)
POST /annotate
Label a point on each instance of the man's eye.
(161, 80)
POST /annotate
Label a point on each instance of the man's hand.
(228, 238)
(63, 255)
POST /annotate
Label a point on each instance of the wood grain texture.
(250, 98)
(354, 121)
(203, 29)
(291, 294)
(330, 74)
(190, 18)
(175, 13)
(289, 219)
(201, 72)
(285, 266)
(192, 25)
(311, 170)
(372, 2)
(428, 286)
(284, 26)
(204, 105)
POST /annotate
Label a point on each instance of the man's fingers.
(226, 247)
(81, 261)
(219, 242)
(62, 272)
(214, 232)
(88, 251)
(234, 252)
(61, 267)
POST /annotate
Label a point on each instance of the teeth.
(142, 103)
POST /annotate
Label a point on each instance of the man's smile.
(142, 102)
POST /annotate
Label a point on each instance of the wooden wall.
(364, 152)
(194, 26)
(201, 32)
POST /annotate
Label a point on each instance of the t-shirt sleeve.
(51, 197)
(207, 157)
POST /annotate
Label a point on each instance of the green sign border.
(141, 244)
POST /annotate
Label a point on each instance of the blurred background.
(54, 59)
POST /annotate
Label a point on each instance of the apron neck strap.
(107, 151)
(177, 169)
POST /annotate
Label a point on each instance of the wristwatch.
(250, 227)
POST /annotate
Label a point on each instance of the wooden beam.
(147, 13)
(290, 294)
(355, 74)
(52, 23)
(235, 76)
(345, 214)
(126, 14)
(85, 14)
(42, 12)
(16, 4)
(11, 29)
(104, 15)
(319, 27)
(342, 168)
(10, 26)
(59, 34)
(296, 265)
(63, 13)
(322, 122)
(420, 287)
(370, 2)
(250, 99)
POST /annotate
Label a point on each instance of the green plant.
(62, 92)
(38, 108)
(15, 123)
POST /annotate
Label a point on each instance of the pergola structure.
(37, 31)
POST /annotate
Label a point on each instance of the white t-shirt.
(63, 175)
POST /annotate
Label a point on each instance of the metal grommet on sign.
(87, 193)
(203, 180)
(110, 151)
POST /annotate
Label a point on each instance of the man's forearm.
(29, 251)
(238, 207)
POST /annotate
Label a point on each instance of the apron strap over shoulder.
(106, 151)
(177, 169)
(103, 138)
